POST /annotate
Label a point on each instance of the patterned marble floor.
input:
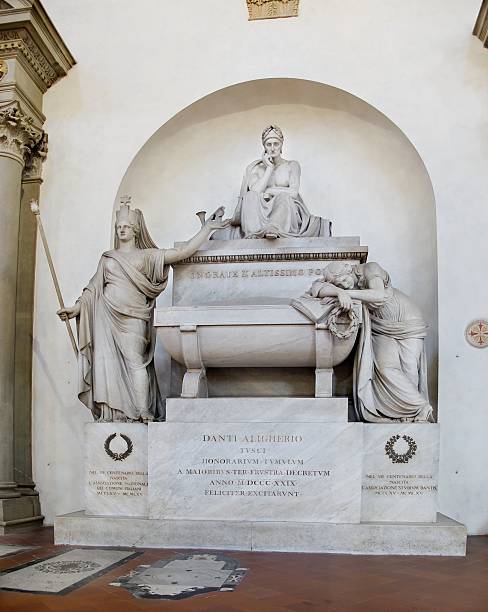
(279, 582)
(9, 549)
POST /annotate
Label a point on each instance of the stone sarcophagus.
(232, 309)
(248, 336)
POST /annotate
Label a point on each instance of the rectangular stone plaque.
(400, 472)
(307, 472)
(116, 469)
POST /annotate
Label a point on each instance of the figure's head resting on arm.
(340, 274)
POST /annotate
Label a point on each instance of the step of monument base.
(445, 537)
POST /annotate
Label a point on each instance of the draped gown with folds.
(391, 367)
(117, 380)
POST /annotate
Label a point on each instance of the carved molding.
(19, 138)
(481, 26)
(272, 9)
(20, 41)
(361, 254)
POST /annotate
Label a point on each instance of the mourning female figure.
(270, 205)
(116, 337)
(390, 373)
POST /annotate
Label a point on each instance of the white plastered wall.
(141, 63)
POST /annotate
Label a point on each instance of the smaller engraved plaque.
(477, 333)
(400, 472)
(116, 469)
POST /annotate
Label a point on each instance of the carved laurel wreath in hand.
(336, 314)
(400, 457)
(118, 456)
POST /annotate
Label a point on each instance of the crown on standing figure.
(125, 214)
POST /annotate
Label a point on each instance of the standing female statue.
(270, 205)
(390, 372)
(116, 337)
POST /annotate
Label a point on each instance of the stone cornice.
(360, 253)
(28, 31)
(12, 41)
(481, 26)
(19, 139)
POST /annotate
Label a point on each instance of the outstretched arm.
(214, 222)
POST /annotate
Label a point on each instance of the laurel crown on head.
(272, 131)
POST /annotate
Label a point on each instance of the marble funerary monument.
(298, 418)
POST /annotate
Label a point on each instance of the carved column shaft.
(24, 318)
(21, 145)
(10, 180)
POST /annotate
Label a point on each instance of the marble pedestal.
(278, 474)
(20, 513)
(445, 537)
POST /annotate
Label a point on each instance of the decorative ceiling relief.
(272, 9)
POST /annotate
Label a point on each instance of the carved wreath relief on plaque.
(400, 457)
(477, 333)
(118, 456)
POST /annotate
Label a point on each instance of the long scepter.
(35, 209)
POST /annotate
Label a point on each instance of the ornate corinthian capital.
(33, 163)
(19, 139)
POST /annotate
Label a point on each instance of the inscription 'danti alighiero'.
(252, 468)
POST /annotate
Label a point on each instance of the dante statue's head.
(272, 131)
(340, 274)
(272, 139)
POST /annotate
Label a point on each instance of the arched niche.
(358, 169)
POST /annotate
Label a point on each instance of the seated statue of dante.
(270, 205)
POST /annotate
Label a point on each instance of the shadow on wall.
(358, 169)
